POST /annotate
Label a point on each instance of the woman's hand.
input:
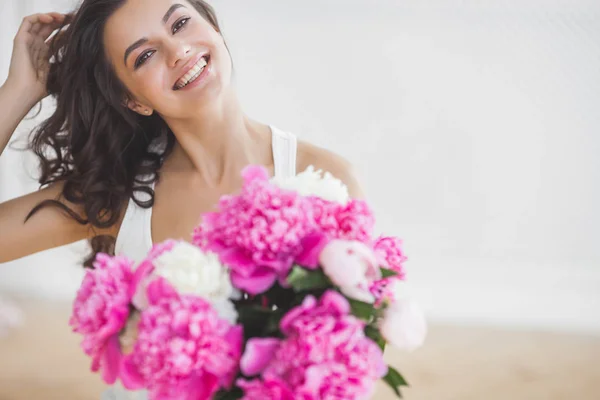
(29, 63)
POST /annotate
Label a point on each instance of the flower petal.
(130, 376)
(236, 258)
(258, 283)
(404, 325)
(160, 289)
(111, 360)
(258, 354)
(308, 303)
(312, 245)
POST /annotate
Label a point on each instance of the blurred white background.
(473, 125)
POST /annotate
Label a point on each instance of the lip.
(188, 67)
(201, 80)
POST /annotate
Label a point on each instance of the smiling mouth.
(193, 74)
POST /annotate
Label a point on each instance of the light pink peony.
(352, 267)
(353, 220)
(325, 354)
(404, 325)
(273, 388)
(259, 233)
(184, 350)
(101, 310)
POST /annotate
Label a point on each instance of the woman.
(148, 131)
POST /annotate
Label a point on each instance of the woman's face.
(168, 56)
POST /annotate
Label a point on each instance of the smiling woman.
(148, 132)
(177, 51)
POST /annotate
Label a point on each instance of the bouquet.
(283, 293)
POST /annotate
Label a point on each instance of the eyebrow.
(140, 42)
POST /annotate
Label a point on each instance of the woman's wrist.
(19, 99)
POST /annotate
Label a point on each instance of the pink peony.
(325, 354)
(184, 350)
(351, 221)
(389, 254)
(331, 304)
(101, 310)
(263, 390)
(352, 267)
(258, 233)
(146, 268)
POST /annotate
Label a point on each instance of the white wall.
(474, 126)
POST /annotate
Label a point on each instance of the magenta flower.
(325, 354)
(331, 304)
(258, 233)
(388, 250)
(351, 221)
(101, 310)
(272, 388)
(257, 355)
(184, 351)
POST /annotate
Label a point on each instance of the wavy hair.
(102, 152)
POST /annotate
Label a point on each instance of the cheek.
(154, 85)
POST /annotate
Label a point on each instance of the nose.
(178, 51)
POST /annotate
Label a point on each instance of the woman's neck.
(216, 144)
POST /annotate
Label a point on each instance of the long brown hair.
(103, 152)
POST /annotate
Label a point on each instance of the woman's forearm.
(15, 103)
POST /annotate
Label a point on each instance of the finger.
(24, 28)
(35, 28)
(28, 24)
(35, 51)
(39, 18)
(42, 62)
(62, 18)
(47, 30)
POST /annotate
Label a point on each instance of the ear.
(138, 107)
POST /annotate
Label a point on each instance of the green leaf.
(254, 318)
(280, 296)
(395, 381)
(375, 335)
(272, 326)
(302, 279)
(387, 273)
(362, 310)
(233, 394)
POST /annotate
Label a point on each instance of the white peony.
(313, 182)
(192, 271)
(404, 325)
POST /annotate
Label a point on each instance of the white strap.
(285, 147)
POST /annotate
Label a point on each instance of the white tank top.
(134, 239)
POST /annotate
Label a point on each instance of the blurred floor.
(41, 360)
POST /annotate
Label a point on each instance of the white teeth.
(192, 74)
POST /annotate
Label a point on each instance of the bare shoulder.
(329, 161)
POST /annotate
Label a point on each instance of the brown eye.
(180, 24)
(143, 58)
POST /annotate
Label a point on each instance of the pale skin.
(215, 138)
